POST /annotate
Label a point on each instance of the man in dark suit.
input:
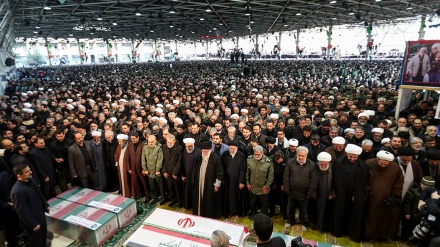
(83, 163)
(30, 206)
(133, 155)
(172, 163)
(44, 164)
(314, 147)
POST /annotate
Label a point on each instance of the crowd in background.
(318, 136)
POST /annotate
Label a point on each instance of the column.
(369, 42)
(256, 46)
(329, 40)
(422, 28)
(207, 48)
(79, 51)
(279, 45)
(49, 52)
(236, 43)
(297, 44)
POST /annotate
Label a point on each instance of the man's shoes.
(162, 202)
(172, 203)
(303, 228)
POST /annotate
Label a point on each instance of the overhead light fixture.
(252, 21)
(299, 13)
(171, 25)
(351, 12)
(201, 18)
(334, 17)
(35, 31)
(47, 7)
(248, 12)
(37, 26)
(333, 1)
(221, 24)
(138, 14)
(71, 34)
(208, 9)
(172, 11)
(99, 18)
(378, 0)
(114, 24)
(409, 6)
(151, 31)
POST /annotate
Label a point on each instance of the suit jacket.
(44, 163)
(223, 148)
(77, 164)
(310, 155)
(29, 204)
(133, 157)
(172, 160)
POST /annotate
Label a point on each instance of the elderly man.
(411, 169)
(350, 180)
(207, 177)
(384, 197)
(259, 177)
(367, 150)
(122, 166)
(234, 163)
(323, 205)
(337, 150)
(377, 134)
(300, 181)
(190, 154)
(152, 159)
(172, 164)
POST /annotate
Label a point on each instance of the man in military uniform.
(259, 177)
(152, 157)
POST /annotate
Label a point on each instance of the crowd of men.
(318, 136)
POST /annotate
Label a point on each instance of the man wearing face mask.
(411, 169)
(350, 180)
(384, 197)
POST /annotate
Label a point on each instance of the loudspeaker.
(10, 62)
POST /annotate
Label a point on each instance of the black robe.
(322, 206)
(188, 161)
(234, 174)
(349, 215)
(210, 204)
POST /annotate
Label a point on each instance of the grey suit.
(87, 174)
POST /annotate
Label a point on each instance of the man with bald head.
(152, 158)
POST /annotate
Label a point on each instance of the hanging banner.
(422, 63)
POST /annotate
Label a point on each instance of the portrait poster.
(422, 63)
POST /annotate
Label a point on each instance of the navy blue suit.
(31, 205)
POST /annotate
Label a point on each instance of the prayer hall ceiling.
(191, 19)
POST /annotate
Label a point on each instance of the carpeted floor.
(122, 235)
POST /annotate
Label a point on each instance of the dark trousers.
(140, 185)
(38, 238)
(302, 206)
(91, 181)
(264, 200)
(173, 188)
(112, 178)
(47, 188)
(154, 182)
(63, 176)
(276, 196)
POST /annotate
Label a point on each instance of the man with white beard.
(411, 169)
(363, 121)
(190, 154)
(377, 134)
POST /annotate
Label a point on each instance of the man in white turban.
(384, 196)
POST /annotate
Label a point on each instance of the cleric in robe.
(234, 163)
(190, 154)
(384, 197)
(350, 180)
(207, 177)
